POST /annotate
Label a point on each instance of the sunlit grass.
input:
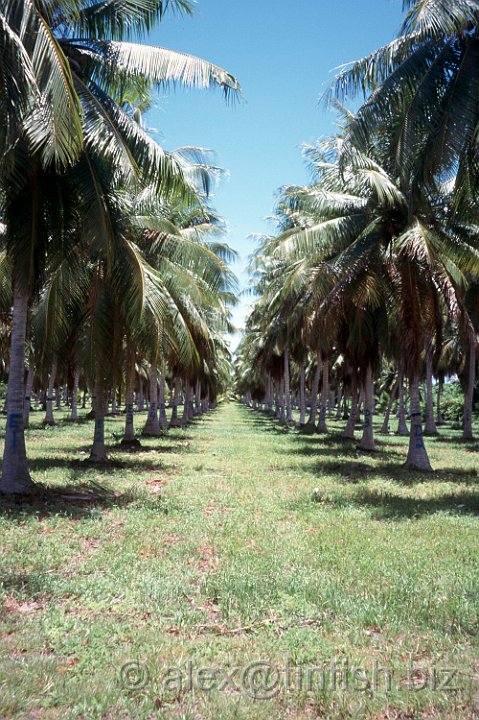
(211, 547)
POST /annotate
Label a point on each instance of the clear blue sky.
(284, 54)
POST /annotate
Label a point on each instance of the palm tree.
(71, 56)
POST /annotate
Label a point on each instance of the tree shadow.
(74, 501)
(394, 507)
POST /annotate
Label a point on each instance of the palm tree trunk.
(175, 400)
(302, 394)
(76, 382)
(98, 450)
(417, 457)
(58, 397)
(348, 432)
(339, 405)
(430, 428)
(402, 427)
(367, 440)
(129, 435)
(186, 405)
(314, 392)
(28, 395)
(15, 474)
(322, 427)
(49, 419)
(198, 397)
(287, 388)
(469, 396)
(440, 386)
(152, 425)
(163, 418)
(385, 426)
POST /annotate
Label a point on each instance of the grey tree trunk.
(367, 440)
(302, 394)
(348, 432)
(141, 395)
(417, 457)
(98, 449)
(49, 419)
(186, 405)
(339, 410)
(385, 426)
(163, 418)
(74, 409)
(58, 397)
(152, 425)
(175, 400)
(469, 396)
(402, 427)
(430, 427)
(198, 398)
(439, 418)
(28, 395)
(315, 391)
(322, 427)
(129, 435)
(15, 474)
(287, 389)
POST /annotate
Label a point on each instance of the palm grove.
(372, 277)
(113, 273)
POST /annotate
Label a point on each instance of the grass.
(211, 549)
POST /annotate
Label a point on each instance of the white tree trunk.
(417, 457)
(162, 406)
(339, 405)
(186, 405)
(98, 449)
(439, 418)
(129, 435)
(367, 440)
(302, 394)
(385, 426)
(348, 432)
(314, 392)
(322, 427)
(430, 427)
(287, 389)
(76, 382)
(49, 419)
(402, 427)
(152, 425)
(15, 474)
(175, 400)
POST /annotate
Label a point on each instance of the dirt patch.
(11, 605)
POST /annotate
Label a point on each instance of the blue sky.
(284, 54)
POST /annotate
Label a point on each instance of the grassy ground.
(214, 550)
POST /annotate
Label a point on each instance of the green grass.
(211, 548)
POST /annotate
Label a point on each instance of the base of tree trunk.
(50, 423)
(152, 432)
(134, 443)
(308, 428)
(416, 467)
(21, 487)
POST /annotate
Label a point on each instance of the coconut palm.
(71, 56)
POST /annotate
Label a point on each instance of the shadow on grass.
(76, 502)
(393, 507)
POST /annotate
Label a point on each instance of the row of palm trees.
(374, 268)
(110, 253)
